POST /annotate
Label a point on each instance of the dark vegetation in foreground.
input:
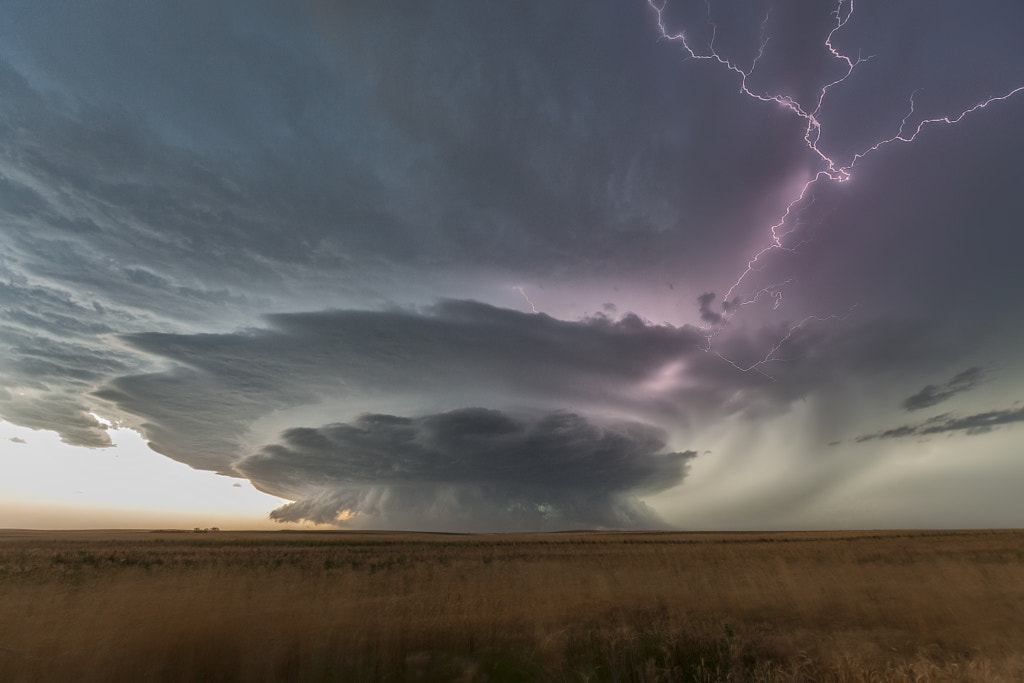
(276, 606)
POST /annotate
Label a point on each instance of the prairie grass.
(588, 606)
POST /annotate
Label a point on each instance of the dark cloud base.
(469, 469)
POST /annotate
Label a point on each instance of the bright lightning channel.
(519, 288)
(831, 170)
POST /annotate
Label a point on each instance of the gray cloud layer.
(469, 469)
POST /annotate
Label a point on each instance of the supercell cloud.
(469, 469)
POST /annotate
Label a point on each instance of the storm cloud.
(456, 352)
(460, 353)
(237, 227)
(469, 468)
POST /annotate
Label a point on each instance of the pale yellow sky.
(47, 484)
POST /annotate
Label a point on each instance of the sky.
(480, 266)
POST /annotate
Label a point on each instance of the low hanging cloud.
(470, 469)
(932, 395)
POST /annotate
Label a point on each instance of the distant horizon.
(391, 532)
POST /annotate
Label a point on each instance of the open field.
(344, 606)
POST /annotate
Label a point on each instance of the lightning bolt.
(830, 169)
(522, 291)
(772, 355)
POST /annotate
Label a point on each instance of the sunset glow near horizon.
(488, 268)
(51, 485)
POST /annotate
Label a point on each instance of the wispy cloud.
(932, 395)
(977, 423)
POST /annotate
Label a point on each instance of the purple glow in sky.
(520, 266)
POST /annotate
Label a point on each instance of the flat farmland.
(586, 606)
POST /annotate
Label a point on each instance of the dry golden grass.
(275, 606)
